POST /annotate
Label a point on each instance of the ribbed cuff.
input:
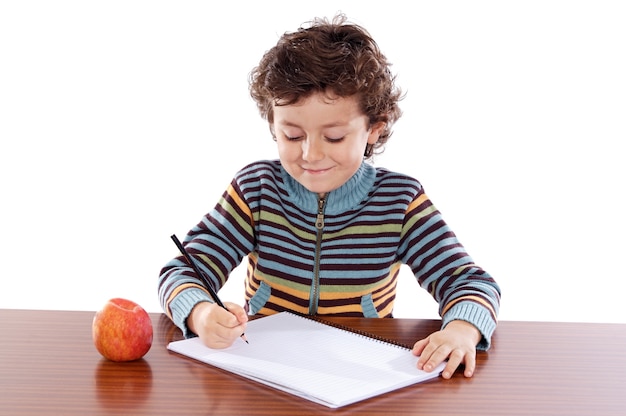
(182, 305)
(476, 315)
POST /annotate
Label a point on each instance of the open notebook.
(313, 360)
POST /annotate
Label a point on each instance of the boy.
(324, 231)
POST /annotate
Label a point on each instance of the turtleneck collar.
(346, 197)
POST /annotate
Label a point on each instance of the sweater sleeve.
(218, 243)
(463, 290)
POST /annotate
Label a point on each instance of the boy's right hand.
(216, 326)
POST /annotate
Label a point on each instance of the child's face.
(321, 141)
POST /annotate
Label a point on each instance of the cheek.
(357, 149)
(288, 151)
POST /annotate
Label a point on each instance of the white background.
(121, 122)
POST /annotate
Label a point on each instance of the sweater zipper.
(319, 224)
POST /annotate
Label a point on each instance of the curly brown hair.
(334, 57)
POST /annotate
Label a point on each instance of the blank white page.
(313, 360)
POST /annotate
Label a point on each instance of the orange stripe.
(338, 310)
(179, 289)
(416, 202)
(240, 203)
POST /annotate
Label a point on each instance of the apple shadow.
(123, 385)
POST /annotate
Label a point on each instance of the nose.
(312, 149)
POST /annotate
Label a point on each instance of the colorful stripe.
(374, 223)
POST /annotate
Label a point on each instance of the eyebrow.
(325, 126)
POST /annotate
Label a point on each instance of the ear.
(375, 131)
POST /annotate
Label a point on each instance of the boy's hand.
(456, 342)
(216, 326)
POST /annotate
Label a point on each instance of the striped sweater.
(338, 255)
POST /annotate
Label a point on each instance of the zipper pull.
(319, 224)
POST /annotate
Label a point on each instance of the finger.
(423, 349)
(419, 346)
(425, 360)
(454, 361)
(219, 337)
(223, 336)
(238, 311)
(436, 358)
(470, 364)
(226, 318)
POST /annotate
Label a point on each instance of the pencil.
(201, 275)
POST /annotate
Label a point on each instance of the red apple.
(122, 330)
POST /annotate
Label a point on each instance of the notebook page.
(313, 360)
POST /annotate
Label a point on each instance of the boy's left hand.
(456, 342)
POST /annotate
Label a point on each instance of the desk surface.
(48, 365)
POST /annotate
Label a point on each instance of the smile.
(316, 171)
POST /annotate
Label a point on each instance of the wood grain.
(49, 366)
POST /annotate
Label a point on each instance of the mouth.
(316, 171)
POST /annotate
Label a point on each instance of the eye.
(292, 135)
(334, 140)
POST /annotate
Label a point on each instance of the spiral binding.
(355, 331)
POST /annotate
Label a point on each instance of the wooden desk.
(48, 365)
